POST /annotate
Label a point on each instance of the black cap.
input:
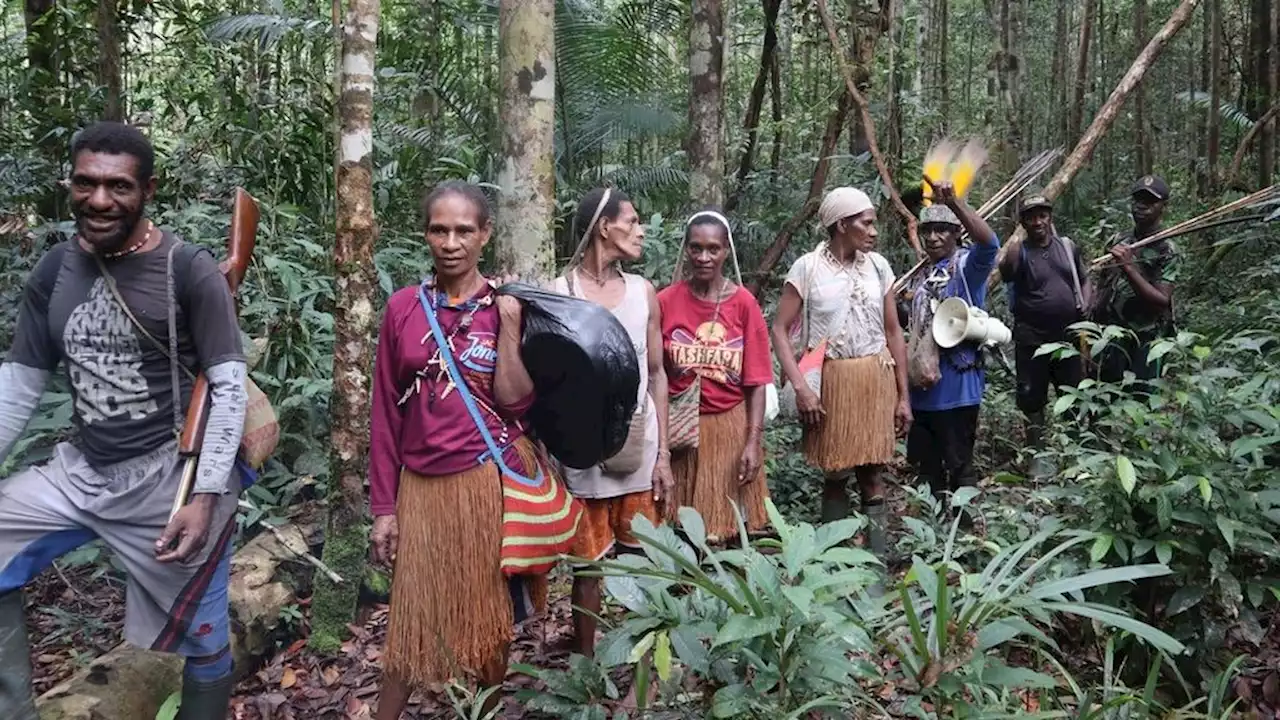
(1153, 184)
(1033, 201)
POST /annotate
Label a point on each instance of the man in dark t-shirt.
(1047, 293)
(1136, 291)
(102, 305)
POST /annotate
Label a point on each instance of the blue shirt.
(960, 383)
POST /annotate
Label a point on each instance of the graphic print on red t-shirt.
(708, 352)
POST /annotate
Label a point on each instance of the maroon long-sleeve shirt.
(433, 437)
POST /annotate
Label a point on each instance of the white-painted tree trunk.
(524, 232)
(355, 322)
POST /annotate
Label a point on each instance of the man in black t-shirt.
(1048, 290)
(101, 306)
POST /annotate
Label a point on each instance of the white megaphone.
(955, 321)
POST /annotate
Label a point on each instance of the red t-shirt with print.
(730, 350)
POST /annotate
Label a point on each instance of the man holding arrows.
(101, 305)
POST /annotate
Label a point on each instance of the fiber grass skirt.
(859, 396)
(451, 607)
(707, 476)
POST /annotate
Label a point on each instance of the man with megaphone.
(945, 405)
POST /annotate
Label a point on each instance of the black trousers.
(940, 446)
(1036, 374)
(1128, 353)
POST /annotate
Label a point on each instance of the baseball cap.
(1033, 201)
(940, 214)
(1153, 184)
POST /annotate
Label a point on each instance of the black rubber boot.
(835, 498)
(16, 702)
(206, 701)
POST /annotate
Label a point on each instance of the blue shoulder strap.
(465, 392)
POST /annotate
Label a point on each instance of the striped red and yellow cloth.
(539, 521)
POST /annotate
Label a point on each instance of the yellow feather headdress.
(960, 166)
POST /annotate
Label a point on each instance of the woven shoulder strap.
(464, 391)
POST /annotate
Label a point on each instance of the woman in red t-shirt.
(714, 333)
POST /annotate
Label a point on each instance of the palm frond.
(268, 30)
(639, 179)
(1229, 112)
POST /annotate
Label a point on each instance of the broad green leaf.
(1096, 578)
(1001, 675)
(1125, 472)
(1206, 490)
(642, 647)
(964, 496)
(1156, 638)
(1101, 547)
(169, 710)
(1063, 404)
(693, 526)
(1183, 599)
(744, 627)
(662, 656)
(1164, 552)
(689, 649)
(1142, 547)
(1227, 527)
(731, 701)
(801, 597)
(856, 557)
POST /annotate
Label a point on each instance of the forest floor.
(76, 614)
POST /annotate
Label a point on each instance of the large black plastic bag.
(585, 374)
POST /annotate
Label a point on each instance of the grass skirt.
(451, 607)
(859, 396)
(707, 476)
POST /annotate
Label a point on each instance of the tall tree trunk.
(1058, 74)
(1213, 145)
(897, 37)
(108, 22)
(866, 27)
(1082, 71)
(775, 100)
(751, 121)
(831, 136)
(1142, 137)
(944, 81)
(1107, 113)
(355, 320)
(526, 209)
(42, 62)
(1202, 122)
(1267, 153)
(705, 144)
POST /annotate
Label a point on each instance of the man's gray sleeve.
(228, 399)
(20, 390)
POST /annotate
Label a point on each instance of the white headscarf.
(841, 203)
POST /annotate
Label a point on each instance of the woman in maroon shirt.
(436, 499)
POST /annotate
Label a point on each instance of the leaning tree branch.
(835, 122)
(869, 128)
(1238, 160)
(1105, 118)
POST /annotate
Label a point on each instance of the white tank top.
(633, 312)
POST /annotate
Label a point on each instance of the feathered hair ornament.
(945, 161)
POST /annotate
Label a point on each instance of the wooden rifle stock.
(240, 244)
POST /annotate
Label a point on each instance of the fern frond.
(1201, 100)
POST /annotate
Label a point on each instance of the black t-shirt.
(120, 381)
(1044, 293)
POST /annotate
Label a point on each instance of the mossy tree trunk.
(355, 322)
(525, 237)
